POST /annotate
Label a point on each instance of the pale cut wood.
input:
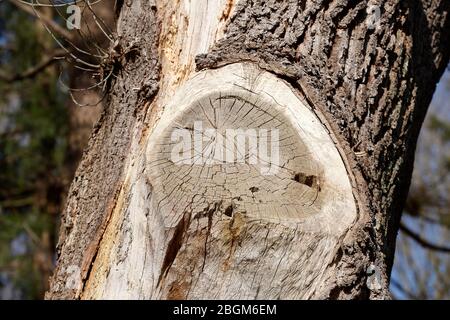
(188, 230)
(242, 96)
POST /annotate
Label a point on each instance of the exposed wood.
(199, 222)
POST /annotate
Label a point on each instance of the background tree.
(42, 136)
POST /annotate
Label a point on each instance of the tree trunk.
(327, 98)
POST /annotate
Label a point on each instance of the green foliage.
(33, 148)
(442, 127)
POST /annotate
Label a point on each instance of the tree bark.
(346, 83)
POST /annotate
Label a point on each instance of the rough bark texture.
(95, 187)
(372, 86)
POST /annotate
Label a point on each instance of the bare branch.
(423, 242)
(49, 22)
(33, 71)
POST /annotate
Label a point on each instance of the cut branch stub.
(239, 140)
(250, 197)
(240, 193)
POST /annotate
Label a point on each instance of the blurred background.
(44, 129)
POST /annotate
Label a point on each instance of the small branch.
(17, 203)
(423, 242)
(33, 71)
(49, 22)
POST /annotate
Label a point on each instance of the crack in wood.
(174, 245)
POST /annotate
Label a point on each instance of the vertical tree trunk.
(342, 89)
